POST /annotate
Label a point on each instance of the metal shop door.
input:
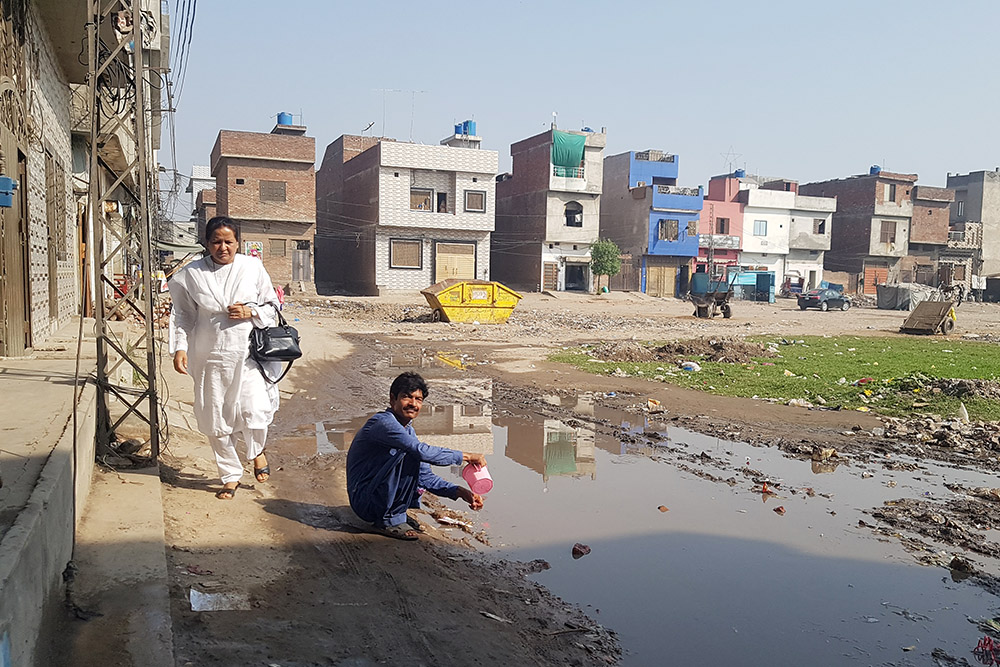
(454, 260)
(875, 275)
(661, 279)
(301, 262)
(15, 330)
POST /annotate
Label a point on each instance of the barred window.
(278, 247)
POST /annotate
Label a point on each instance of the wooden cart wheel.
(947, 326)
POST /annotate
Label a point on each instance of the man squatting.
(387, 466)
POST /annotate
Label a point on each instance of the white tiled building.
(393, 215)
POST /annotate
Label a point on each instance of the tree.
(605, 259)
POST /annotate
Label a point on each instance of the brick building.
(887, 229)
(267, 182)
(394, 215)
(975, 213)
(548, 211)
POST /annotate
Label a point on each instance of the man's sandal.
(226, 493)
(398, 532)
(416, 525)
(266, 470)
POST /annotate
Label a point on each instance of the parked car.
(824, 299)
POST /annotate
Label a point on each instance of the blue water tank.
(874, 170)
(740, 173)
(284, 118)
(458, 128)
(472, 127)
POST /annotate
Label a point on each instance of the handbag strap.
(264, 373)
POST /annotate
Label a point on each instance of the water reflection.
(550, 447)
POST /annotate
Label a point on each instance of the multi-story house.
(548, 211)
(879, 215)
(977, 200)
(267, 183)
(396, 215)
(720, 230)
(652, 219)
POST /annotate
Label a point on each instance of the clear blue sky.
(804, 90)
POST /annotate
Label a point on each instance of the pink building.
(720, 228)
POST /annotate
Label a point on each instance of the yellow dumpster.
(456, 300)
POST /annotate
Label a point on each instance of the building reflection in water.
(465, 426)
(550, 447)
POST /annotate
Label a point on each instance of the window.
(888, 231)
(668, 230)
(475, 201)
(277, 247)
(240, 181)
(722, 225)
(420, 199)
(760, 227)
(960, 205)
(890, 192)
(406, 254)
(302, 245)
(959, 272)
(442, 202)
(819, 225)
(574, 214)
(272, 191)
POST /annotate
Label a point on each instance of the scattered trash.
(218, 601)
(495, 617)
(766, 490)
(663, 508)
(908, 648)
(780, 509)
(580, 550)
(691, 366)
(447, 520)
(800, 403)
(654, 405)
(871, 619)
(194, 569)
(963, 414)
(861, 381)
(987, 651)
(789, 374)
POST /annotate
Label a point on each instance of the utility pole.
(119, 104)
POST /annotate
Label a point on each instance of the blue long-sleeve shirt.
(378, 445)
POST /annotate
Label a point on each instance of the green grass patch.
(815, 367)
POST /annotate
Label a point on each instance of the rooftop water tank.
(740, 173)
(284, 118)
(874, 170)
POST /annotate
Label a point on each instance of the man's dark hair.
(219, 222)
(407, 383)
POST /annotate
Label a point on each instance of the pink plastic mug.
(478, 478)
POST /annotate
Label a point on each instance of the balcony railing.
(654, 156)
(720, 241)
(956, 236)
(676, 190)
(567, 172)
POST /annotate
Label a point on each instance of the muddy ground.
(319, 590)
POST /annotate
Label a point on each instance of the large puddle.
(718, 576)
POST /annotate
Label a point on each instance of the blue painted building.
(652, 219)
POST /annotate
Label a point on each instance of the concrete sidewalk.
(46, 509)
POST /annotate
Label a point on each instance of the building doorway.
(576, 278)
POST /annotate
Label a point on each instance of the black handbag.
(277, 343)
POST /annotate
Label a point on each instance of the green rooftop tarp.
(567, 148)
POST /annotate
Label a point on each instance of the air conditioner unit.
(640, 184)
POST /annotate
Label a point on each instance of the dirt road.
(312, 588)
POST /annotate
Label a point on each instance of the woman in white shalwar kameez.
(216, 301)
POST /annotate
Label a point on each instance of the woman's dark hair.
(218, 222)
(407, 383)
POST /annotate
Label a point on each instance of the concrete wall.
(50, 110)
(36, 550)
(803, 262)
